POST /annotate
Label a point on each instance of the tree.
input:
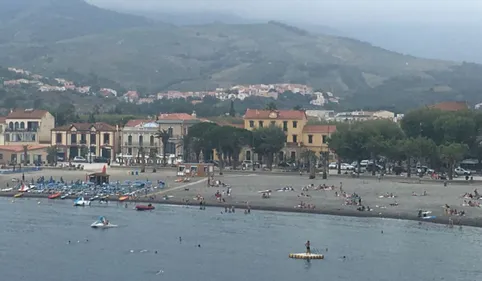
(351, 143)
(450, 154)
(232, 112)
(297, 107)
(91, 118)
(309, 157)
(271, 106)
(25, 155)
(163, 136)
(268, 141)
(52, 152)
(199, 138)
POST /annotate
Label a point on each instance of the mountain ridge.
(153, 56)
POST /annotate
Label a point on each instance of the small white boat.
(102, 223)
(81, 202)
(98, 224)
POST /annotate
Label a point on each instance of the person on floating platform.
(308, 249)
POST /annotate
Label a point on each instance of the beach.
(246, 187)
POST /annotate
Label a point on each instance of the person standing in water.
(308, 249)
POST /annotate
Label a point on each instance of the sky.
(324, 11)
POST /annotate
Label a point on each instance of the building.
(15, 154)
(299, 135)
(450, 106)
(142, 133)
(86, 140)
(28, 127)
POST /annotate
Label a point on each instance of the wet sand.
(246, 187)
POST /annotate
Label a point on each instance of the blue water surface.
(236, 247)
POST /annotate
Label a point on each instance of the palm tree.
(310, 159)
(25, 154)
(163, 136)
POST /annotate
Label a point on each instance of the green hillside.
(138, 54)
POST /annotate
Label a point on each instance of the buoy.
(305, 256)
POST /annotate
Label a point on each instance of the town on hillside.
(30, 136)
(241, 92)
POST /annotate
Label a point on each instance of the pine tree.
(232, 112)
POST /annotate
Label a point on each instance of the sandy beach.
(245, 188)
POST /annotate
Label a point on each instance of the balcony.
(21, 130)
(21, 137)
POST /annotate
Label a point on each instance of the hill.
(139, 54)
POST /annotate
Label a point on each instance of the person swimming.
(308, 247)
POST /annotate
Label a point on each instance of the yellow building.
(299, 135)
(85, 140)
(28, 127)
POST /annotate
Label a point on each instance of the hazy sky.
(325, 11)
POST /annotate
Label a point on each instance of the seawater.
(34, 245)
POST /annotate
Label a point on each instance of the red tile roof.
(19, 148)
(280, 114)
(27, 114)
(319, 129)
(2, 120)
(137, 122)
(450, 106)
(99, 126)
(176, 116)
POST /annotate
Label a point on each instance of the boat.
(81, 202)
(18, 195)
(306, 256)
(149, 207)
(55, 195)
(429, 217)
(123, 198)
(102, 223)
(23, 188)
(64, 196)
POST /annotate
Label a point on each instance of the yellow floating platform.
(18, 195)
(305, 256)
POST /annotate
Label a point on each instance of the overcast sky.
(325, 11)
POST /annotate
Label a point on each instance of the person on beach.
(308, 247)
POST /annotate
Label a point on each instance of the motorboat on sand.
(55, 195)
(102, 222)
(81, 202)
(144, 207)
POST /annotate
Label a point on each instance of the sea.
(52, 240)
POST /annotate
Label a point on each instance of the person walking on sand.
(308, 249)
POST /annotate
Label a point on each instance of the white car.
(346, 166)
(79, 159)
(333, 165)
(461, 172)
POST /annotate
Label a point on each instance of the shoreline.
(458, 221)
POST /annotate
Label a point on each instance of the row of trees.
(204, 139)
(426, 136)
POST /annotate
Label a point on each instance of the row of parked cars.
(365, 165)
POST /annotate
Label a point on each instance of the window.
(295, 138)
(10, 125)
(73, 138)
(92, 149)
(151, 140)
(106, 138)
(170, 131)
(141, 140)
(293, 155)
(260, 124)
(129, 141)
(93, 139)
(295, 124)
(324, 138)
(129, 151)
(1, 156)
(310, 138)
(83, 139)
(273, 123)
(22, 125)
(58, 138)
(285, 126)
(251, 123)
(17, 125)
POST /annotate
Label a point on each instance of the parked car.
(461, 172)
(79, 159)
(346, 166)
(101, 160)
(333, 165)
